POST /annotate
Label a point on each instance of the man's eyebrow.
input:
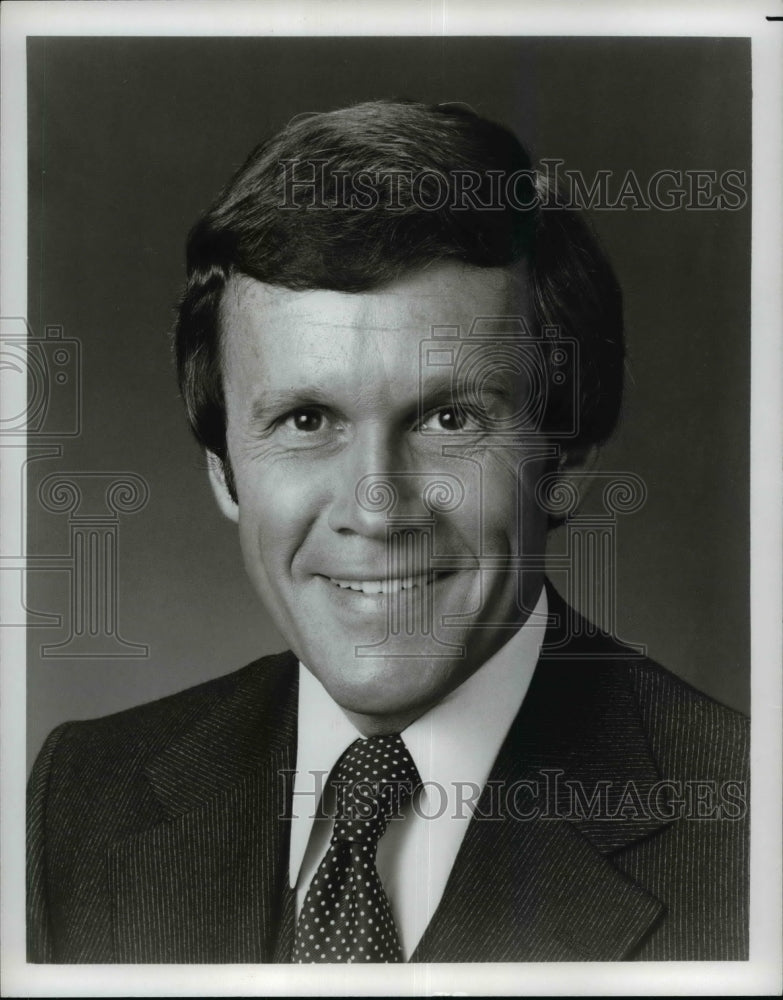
(274, 401)
(438, 390)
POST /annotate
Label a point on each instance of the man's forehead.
(278, 337)
(445, 292)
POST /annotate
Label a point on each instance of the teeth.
(381, 586)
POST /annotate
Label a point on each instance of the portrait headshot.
(387, 567)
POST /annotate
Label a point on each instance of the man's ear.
(217, 479)
(585, 459)
(575, 470)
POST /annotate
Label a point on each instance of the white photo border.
(762, 973)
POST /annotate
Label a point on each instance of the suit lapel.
(207, 884)
(536, 892)
(568, 790)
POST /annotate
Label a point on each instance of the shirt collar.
(456, 741)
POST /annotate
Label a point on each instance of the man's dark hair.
(350, 200)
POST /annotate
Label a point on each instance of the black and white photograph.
(391, 500)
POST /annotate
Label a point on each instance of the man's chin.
(390, 689)
(373, 717)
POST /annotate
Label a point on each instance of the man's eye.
(306, 421)
(445, 420)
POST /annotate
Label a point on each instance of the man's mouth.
(390, 585)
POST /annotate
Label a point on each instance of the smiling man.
(323, 389)
(392, 344)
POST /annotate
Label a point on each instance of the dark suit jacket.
(158, 834)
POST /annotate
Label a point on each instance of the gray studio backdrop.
(129, 138)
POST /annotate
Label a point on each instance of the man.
(392, 345)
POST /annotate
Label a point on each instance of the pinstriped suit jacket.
(615, 826)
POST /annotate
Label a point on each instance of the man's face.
(327, 400)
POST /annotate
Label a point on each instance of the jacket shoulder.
(690, 733)
(126, 740)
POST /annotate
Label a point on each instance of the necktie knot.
(373, 779)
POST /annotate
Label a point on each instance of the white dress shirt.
(453, 745)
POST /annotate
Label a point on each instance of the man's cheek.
(273, 524)
(259, 532)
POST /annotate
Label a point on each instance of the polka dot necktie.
(346, 916)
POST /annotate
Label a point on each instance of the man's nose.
(374, 481)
